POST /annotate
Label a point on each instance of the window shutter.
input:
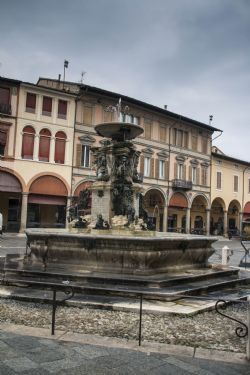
(30, 102)
(184, 172)
(107, 116)
(175, 170)
(44, 146)
(78, 155)
(162, 134)
(198, 176)
(142, 164)
(166, 169)
(185, 134)
(62, 109)
(190, 173)
(152, 162)
(4, 95)
(60, 151)
(88, 114)
(47, 105)
(157, 168)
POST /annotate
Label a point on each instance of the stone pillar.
(67, 211)
(188, 220)
(165, 219)
(24, 212)
(67, 151)
(208, 212)
(52, 150)
(225, 223)
(240, 221)
(36, 147)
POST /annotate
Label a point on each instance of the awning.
(9, 183)
(247, 208)
(178, 200)
(46, 199)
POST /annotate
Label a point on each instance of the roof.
(230, 158)
(49, 89)
(10, 80)
(151, 107)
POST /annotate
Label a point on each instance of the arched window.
(44, 145)
(60, 147)
(28, 142)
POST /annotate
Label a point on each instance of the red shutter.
(30, 102)
(60, 151)
(4, 95)
(28, 146)
(47, 105)
(62, 109)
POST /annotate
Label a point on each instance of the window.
(28, 142)
(180, 138)
(204, 145)
(44, 145)
(162, 133)
(60, 147)
(146, 166)
(249, 186)
(88, 115)
(194, 142)
(194, 175)
(62, 109)
(147, 128)
(85, 159)
(161, 169)
(30, 102)
(5, 100)
(3, 139)
(236, 184)
(180, 171)
(218, 180)
(47, 106)
(204, 176)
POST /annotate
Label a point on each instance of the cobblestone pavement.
(24, 354)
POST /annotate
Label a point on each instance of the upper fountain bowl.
(118, 131)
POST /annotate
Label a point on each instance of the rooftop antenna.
(210, 119)
(82, 75)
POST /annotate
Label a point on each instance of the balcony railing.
(5, 108)
(182, 184)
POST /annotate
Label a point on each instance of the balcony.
(5, 109)
(181, 184)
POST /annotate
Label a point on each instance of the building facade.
(36, 165)
(46, 159)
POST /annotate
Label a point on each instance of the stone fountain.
(118, 238)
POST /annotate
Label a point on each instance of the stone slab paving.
(26, 350)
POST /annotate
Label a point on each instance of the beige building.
(230, 193)
(175, 156)
(36, 163)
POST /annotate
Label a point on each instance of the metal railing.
(182, 184)
(5, 108)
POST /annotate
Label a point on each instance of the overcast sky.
(193, 55)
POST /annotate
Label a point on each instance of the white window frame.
(161, 169)
(180, 171)
(147, 162)
(194, 175)
(85, 160)
(236, 191)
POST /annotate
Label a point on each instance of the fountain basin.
(118, 254)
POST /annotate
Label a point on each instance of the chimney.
(165, 106)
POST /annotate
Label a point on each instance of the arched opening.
(28, 142)
(198, 215)
(246, 212)
(177, 207)
(47, 203)
(153, 203)
(44, 145)
(84, 208)
(10, 201)
(217, 217)
(60, 143)
(233, 217)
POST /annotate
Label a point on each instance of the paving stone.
(20, 364)
(41, 355)
(22, 342)
(56, 366)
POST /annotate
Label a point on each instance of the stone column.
(165, 219)
(225, 223)
(67, 151)
(36, 147)
(188, 220)
(67, 211)
(52, 150)
(240, 221)
(208, 222)
(24, 212)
